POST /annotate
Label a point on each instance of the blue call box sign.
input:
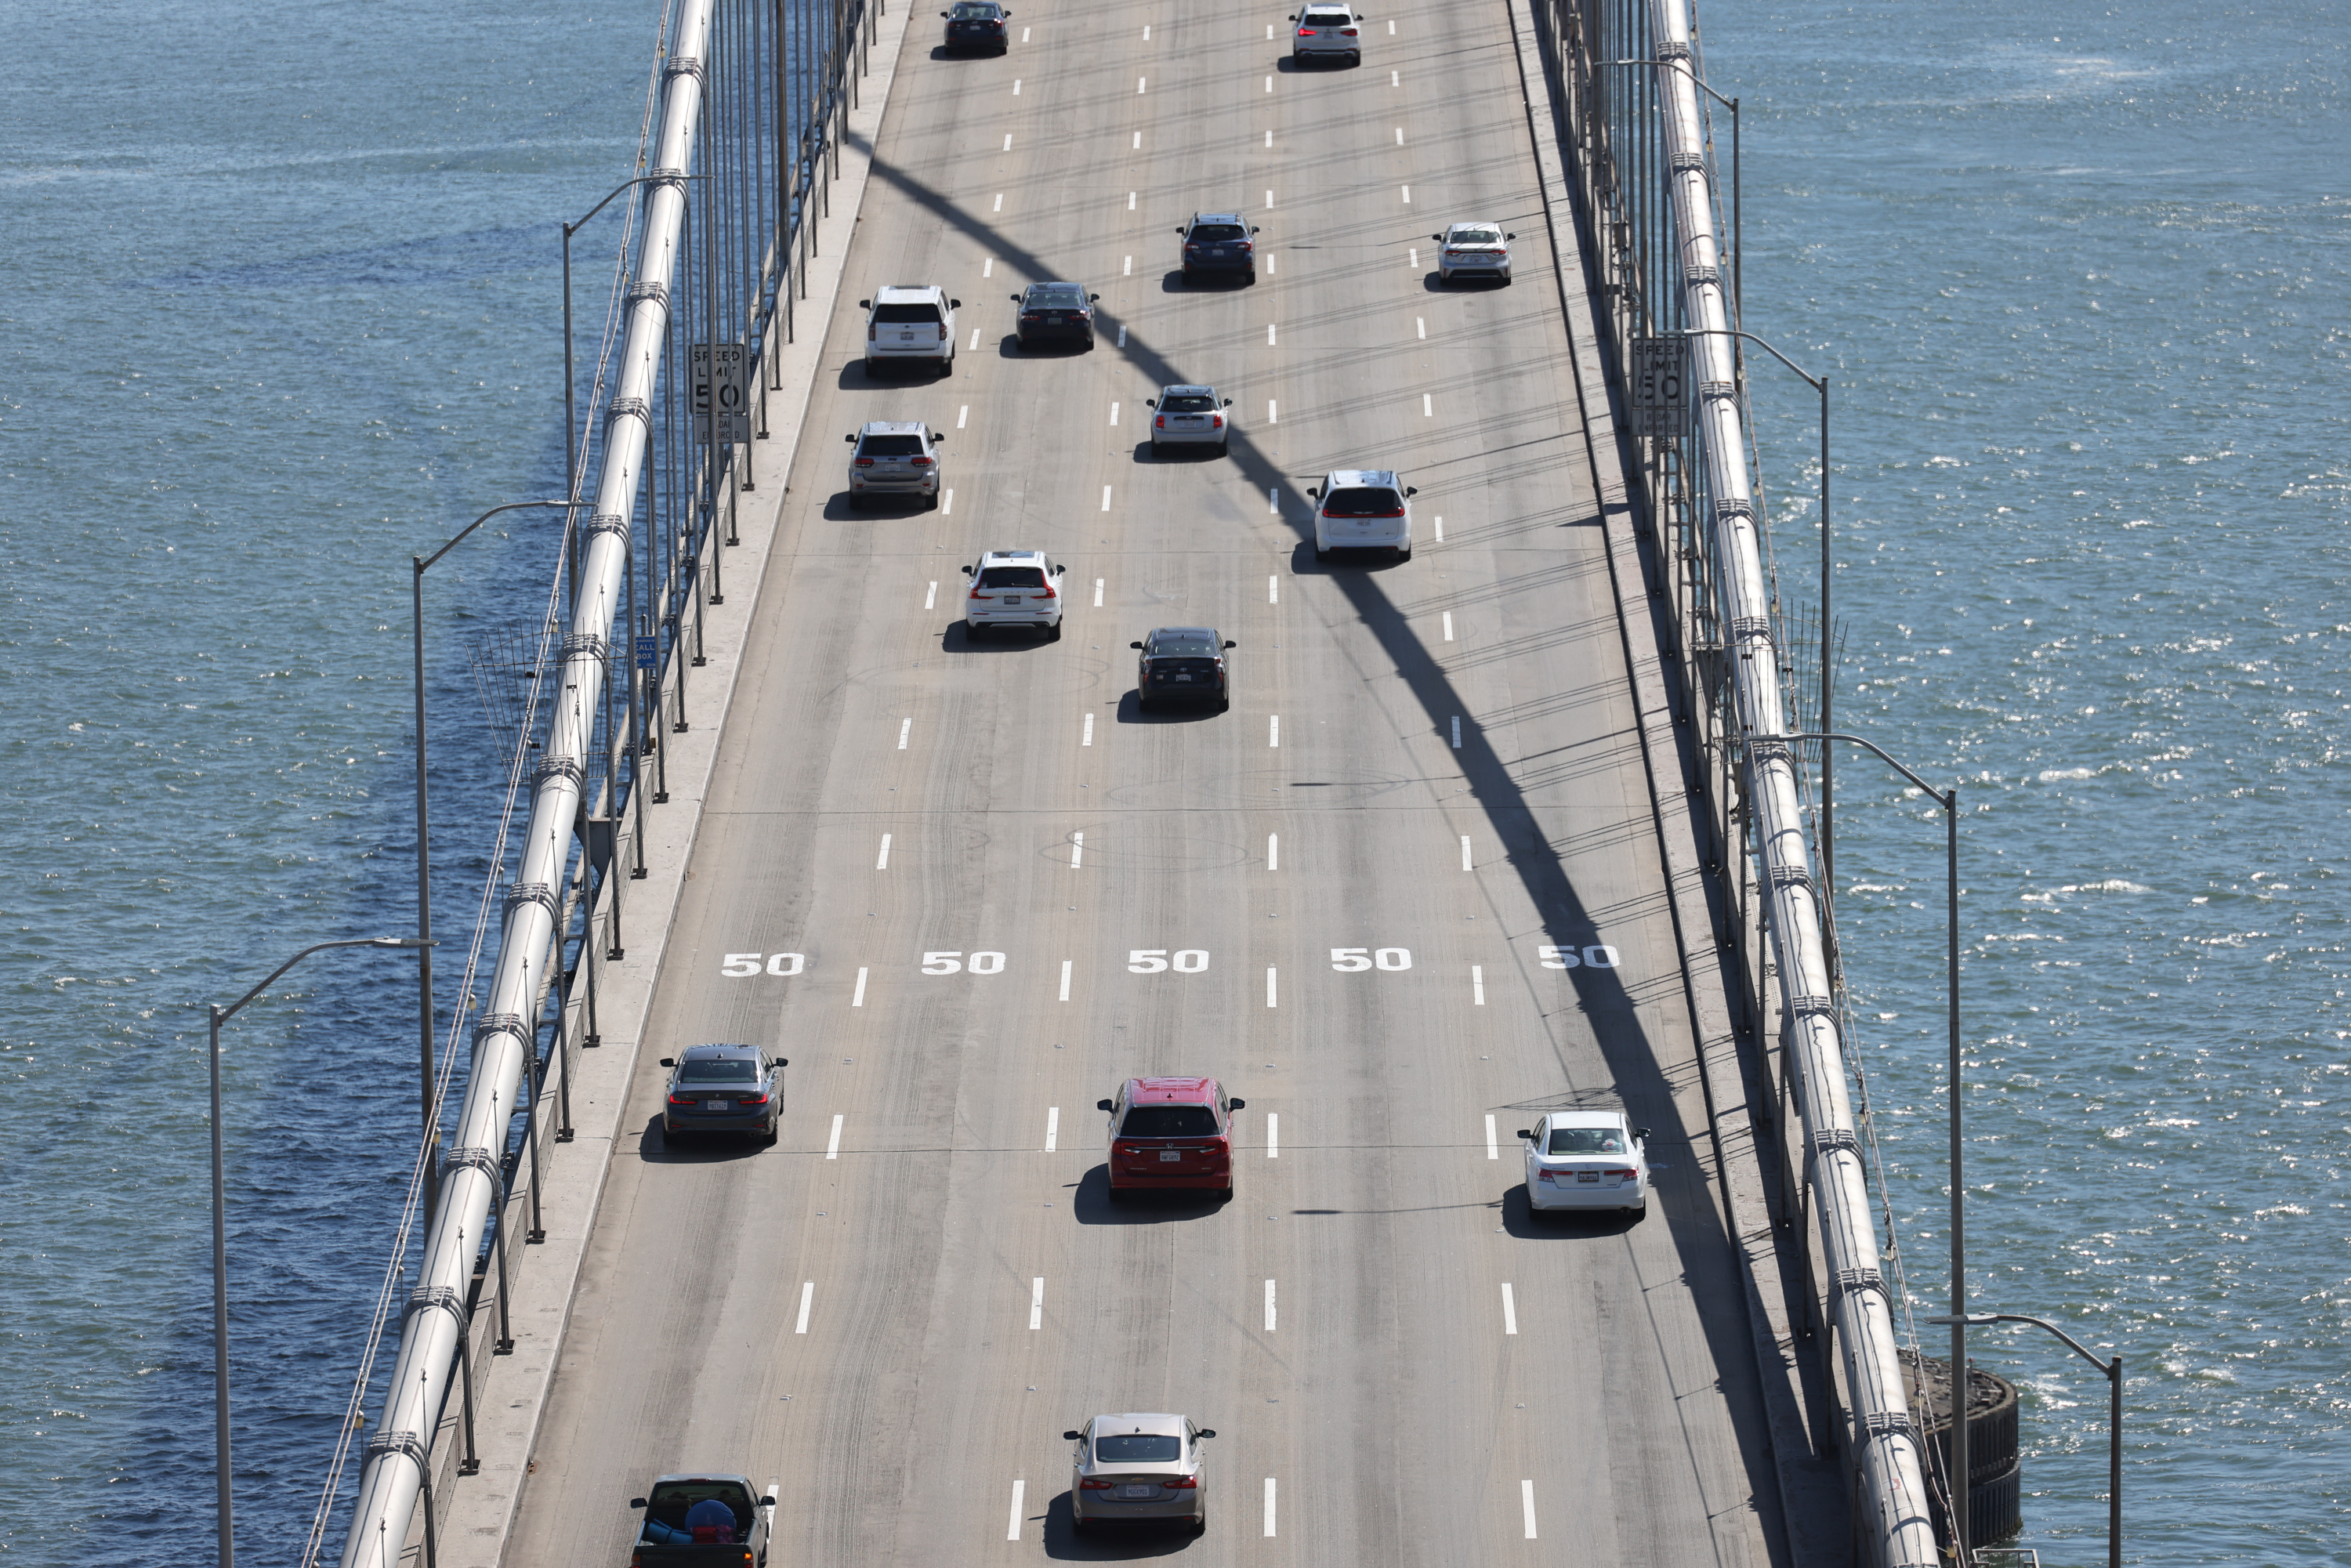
(648, 653)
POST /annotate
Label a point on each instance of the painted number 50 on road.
(741, 966)
(1598, 957)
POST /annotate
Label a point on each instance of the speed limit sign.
(722, 407)
(1660, 400)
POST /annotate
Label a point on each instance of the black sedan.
(978, 24)
(1182, 664)
(724, 1088)
(1055, 313)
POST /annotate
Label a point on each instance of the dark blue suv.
(1218, 242)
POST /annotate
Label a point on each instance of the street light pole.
(223, 1505)
(2113, 1373)
(1949, 801)
(425, 1052)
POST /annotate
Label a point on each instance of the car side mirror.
(1412, 489)
(1091, 297)
(1014, 298)
(1074, 1437)
(636, 1502)
(1206, 1432)
(955, 304)
(1252, 228)
(966, 571)
(1509, 236)
(937, 436)
(1438, 238)
(1061, 571)
(851, 439)
(1228, 402)
(767, 1502)
(865, 305)
(1522, 1134)
(1106, 1103)
(1151, 403)
(1315, 491)
(667, 1061)
(783, 1062)
(1237, 1105)
(1099, 1105)
(1640, 1132)
(1230, 644)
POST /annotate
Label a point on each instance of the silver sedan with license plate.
(1137, 1470)
(1474, 250)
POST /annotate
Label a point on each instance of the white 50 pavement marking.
(807, 1295)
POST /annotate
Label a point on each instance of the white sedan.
(1587, 1159)
(1474, 250)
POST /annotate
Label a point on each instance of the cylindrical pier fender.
(1995, 1467)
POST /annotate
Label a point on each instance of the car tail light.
(865, 463)
(1215, 422)
(1031, 316)
(921, 462)
(1159, 423)
(1305, 32)
(977, 591)
(1190, 245)
(1051, 593)
(1183, 1483)
(869, 331)
(681, 1100)
(747, 1099)
(1346, 32)
(1397, 513)
(1093, 1483)
(1624, 1176)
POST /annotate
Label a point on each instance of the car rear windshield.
(1164, 644)
(1364, 502)
(928, 315)
(1217, 231)
(1137, 1447)
(1585, 1140)
(718, 1072)
(1056, 296)
(971, 13)
(668, 1504)
(1169, 1121)
(1012, 577)
(891, 447)
(1186, 404)
(1478, 236)
(1328, 19)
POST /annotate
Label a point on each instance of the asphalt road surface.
(899, 1309)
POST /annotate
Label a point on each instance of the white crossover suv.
(1013, 588)
(910, 321)
(1363, 509)
(1328, 32)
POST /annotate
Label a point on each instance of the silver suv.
(894, 458)
(1013, 588)
(1363, 509)
(910, 321)
(1325, 31)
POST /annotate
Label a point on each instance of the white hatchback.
(1363, 509)
(910, 321)
(1013, 588)
(1327, 31)
(1474, 250)
(1587, 1159)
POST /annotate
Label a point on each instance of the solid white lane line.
(1098, 591)
(1273, 498)
(999, 202)
(1269, 1306)
(833, 1144)
(1105, 498)
(1457, 732)
(1065, 997)
(1012, 1530)
(1510, 1312)
(931, 599)
(988, 267)
(1077, 851)
(1527, 1506)
(1128, 271)
(1053, 1113)
(1428, 406)
(1441, 530)
(1273, 1135)
(881, 861)
(1269, 334)
(1269, 1000)
(1449, 625)
(807, 1295)
(1273, 590)
(1273, 730)
(1273, 852)
(1113, 414)
(906, 728)
(961, 414)
(1478, 985)
(1087, 738)
(859, 999)
(1464, 853)
(947, 505)
(1037, 1303)
(1493, 1149)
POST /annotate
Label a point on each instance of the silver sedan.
(1474, 250)
(1137, 1470)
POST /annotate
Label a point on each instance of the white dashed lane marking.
(1037, 1303)
(858, 1000)
(1493, 1149)
(833, 1144)
(905, 729)
(1053, 1113)
(1510, 1312)
(881, 861)
(807, 1296)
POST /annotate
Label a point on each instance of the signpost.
(722, 404)
(1660, 402)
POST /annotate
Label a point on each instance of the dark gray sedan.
(1055, 313)
(724, 1088)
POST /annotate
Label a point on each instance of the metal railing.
(745, 110)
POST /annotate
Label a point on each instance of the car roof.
(1158, 1423)
(893, 427)
(718, 1048)
(1475, 223)
(1171, 1091)
(1588, 1118)
(1159, 631)
(1215, 218)
(1187, 392)
(688, 1478)
(1004, 557)
(1364, 477)
(894, 292)
(1055, 283)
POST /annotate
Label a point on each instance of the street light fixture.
(223, 1506)
(1949, 801)
(1738, 246)
(425, 1052)
(571, 452)
(2114, 1371)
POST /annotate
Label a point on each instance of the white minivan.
(910, 321)
(1363, 509)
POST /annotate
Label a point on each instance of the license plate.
(906, 337)
(1010, 601)
(1183, 677)
(1055, 320)
(1169, 1156)
(1587, 1176)
(1138, 1492)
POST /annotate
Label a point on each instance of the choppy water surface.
(284, 311)
(2082, 287)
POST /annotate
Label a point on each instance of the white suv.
(1363, 509)
(910, 321)
(1013, 588)
(1326, 30)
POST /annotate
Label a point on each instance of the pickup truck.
(666, 1540)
